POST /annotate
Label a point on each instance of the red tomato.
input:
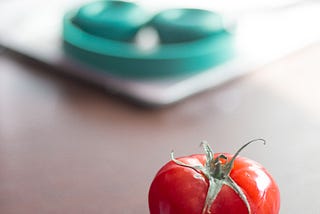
(213, 183)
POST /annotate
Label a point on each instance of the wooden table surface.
(67, 147)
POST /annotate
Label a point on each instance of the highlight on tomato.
(210, 183)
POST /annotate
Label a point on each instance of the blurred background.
(68, 145)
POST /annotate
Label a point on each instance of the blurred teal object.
(181, 25)
(116, 20)
(202, 46)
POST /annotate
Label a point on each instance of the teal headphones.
(103, 34)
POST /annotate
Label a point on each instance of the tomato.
(214, 183)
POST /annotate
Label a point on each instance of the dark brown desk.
(67, 147)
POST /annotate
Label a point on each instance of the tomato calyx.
(217, 171)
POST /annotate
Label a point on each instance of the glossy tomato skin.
(182, 190)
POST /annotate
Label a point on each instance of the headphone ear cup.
(183, 25)
(116, 20)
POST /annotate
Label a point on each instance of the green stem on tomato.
(218, 174)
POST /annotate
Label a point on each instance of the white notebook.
(266, 31)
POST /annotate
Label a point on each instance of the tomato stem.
(229, 165)
(218, 174)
